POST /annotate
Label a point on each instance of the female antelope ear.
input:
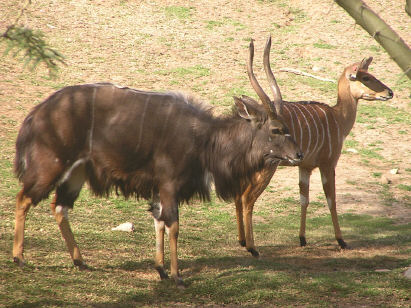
(353, 74)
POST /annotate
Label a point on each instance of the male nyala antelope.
(319, 130)
(158, 146)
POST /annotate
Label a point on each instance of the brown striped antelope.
(319, 130)
(156, 146)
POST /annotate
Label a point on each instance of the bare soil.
(143, 44)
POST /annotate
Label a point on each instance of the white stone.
(394, 171)
(126, 227)
(317, 68)
(407, 273)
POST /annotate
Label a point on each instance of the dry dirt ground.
(144, 44)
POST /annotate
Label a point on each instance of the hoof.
(254, 252)
(162, 272)
(18, 261)
(242, 243)
(303, 242)
(179, 283)
(81, 265)
(342, 244)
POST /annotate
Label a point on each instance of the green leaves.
(33, 48)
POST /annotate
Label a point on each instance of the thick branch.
(399, 51)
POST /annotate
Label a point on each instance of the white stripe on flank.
(142, 122)
(292, 121)
(308, 126)
(322, 127)
(316, 128)
(309, 130)
(299, 124)
(170, 108)
(90, 146)
(328, 131)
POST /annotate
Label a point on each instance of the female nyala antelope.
(157, 146)
(319, 130)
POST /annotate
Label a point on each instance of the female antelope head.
(363, 85)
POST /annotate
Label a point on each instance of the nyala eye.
(275, 131)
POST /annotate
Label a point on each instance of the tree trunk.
(399, 51)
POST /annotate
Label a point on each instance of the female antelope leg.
(259, 182)
(328, 180)
(23, 204)
(61, 215)
(304, 184)
(240, 222)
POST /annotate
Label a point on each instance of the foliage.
(34, 48)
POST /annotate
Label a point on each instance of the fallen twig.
(297, 72)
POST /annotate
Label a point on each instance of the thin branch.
(297, 72)
(17, 19)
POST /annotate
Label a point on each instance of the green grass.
(193, 47)
(323, 45)
(369, 113)
(179, 12)
(404, 187)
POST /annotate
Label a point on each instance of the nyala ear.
(242, 109)
(247, 110)
(365, 63)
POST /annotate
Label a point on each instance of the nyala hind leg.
(66, 193)
(23, 204)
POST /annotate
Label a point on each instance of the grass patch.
(370, 153)
(323, 45)
(370, 114)
(404, 187)
(179, 12)
(211, 24)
